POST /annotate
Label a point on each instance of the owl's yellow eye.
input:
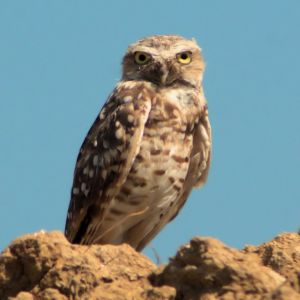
(184, 57)
(141, 58)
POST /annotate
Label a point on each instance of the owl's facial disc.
(165, 67)
(164, 60)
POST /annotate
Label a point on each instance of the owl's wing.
(201, 153)
(105, 158)
(200, 159)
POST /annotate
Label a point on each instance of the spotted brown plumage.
(147, 149)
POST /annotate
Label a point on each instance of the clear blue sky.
(60, 59)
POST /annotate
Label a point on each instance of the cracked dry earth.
(47, 266)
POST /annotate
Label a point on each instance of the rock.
(208, 269)
(282, 255)
(49, 267)
(46, 266)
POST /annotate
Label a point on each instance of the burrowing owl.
(148, 147)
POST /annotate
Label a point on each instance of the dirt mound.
(47, 266)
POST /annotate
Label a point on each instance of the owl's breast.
(160, 168)
(163, 159)
(175, 108)
(157, 177)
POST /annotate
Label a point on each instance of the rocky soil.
(46, 266)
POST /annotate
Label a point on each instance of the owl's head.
(164, 60)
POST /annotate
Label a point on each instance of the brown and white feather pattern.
(147, 149)
(105, 159)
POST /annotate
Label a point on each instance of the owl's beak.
(164, 76)
(163, 73)
(168, 75)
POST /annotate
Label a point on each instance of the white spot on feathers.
(83, 186)
(127, 99)
(91, 173)
(119, 133)
(75, 191)
(95, 160)
(130, 118)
